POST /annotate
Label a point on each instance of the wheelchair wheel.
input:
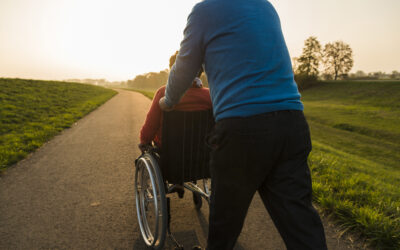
(151, 204)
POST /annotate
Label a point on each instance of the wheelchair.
(183, 160)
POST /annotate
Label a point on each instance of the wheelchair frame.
(184, 135)
(152, 202)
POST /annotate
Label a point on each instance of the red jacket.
(194, 99)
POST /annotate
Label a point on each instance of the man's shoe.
(197, 248)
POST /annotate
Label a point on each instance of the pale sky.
(118, 39)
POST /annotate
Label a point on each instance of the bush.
(305, 81)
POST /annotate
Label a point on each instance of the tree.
(149, 81)
(360, 74)
(395, 74)
(308, 62)
(327, 77)
(338, 58)
(378, 74)
(295, 64)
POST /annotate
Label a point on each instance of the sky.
(119, 39)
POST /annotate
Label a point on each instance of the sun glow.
(111, 39)
(61, 39)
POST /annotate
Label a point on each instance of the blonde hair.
(172, 59)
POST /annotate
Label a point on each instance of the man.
(261, 140)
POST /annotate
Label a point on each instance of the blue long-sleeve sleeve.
(188, 61)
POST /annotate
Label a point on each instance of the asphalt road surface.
(77, 192)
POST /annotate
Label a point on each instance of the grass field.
(355, 161)
(31, 112)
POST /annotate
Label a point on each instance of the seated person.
(196, 98)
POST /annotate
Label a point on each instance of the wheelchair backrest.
(185, 155)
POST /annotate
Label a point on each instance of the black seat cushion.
(185, 155)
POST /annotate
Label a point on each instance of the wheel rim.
(148, 203)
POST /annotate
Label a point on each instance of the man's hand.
(163, 105)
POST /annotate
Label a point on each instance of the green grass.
(32, 112)
(355, 161)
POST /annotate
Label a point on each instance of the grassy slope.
(31, 112)
(356, 156)
(355, 160)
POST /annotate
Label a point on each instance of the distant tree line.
(361, 75)
(335, 59)
(149, 81)
(154, 80)
(330, 62)
(101, 82)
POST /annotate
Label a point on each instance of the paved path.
(76, 192)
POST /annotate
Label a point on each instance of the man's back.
(246, 59)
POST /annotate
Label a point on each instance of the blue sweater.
(241, 45)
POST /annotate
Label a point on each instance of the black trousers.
(265, 153)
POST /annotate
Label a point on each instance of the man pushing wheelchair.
(261, 138)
